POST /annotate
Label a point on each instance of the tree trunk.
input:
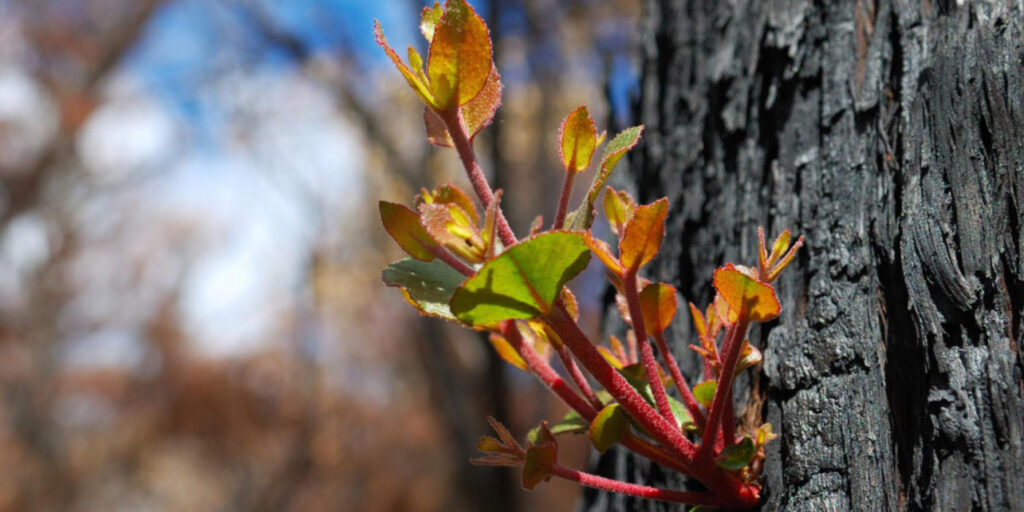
(891, 135)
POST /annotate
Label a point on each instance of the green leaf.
(705, 392)
(737, 456)
(427, 285)
(609, 427)
(572, 423)
(618, 147)
(541, 434)
(522, 282)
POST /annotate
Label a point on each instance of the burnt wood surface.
(891, 135)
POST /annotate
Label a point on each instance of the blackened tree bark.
(891, 134)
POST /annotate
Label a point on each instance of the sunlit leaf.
(705, 392)
(404, 226)
(460, 56)
(417, 84)
(603, 253)
(522, 282)
(477, 114)
(577, 139)
(737, 456)
(658, 305)
(609, 427)
(451, 194)
(698, 321)
(617, 148)
(428, 285)
(618, 208)
(505, 350)
(428, 20)
(642, 236)
(744, 294)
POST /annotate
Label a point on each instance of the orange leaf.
(658, 305)
(417, 84)
(746, 295)
(643, 234)
(698, 321)
(460, 56)
(577, 139)
(505, 350)
(477, 114)
(601, 250)
(404, 226)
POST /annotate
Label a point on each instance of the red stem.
(544, 372)
(563, 200)
(577, 376)
(556, 384)
(664, 431)
(460, 137)
(636, 316)
(731, 349)
(452, 261)
(677, 376)
(640, 491)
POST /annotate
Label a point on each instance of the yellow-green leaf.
(618, 208)
(572, 423)
(460, 56)
(577, 139)
(609, 427)
(418, 85)
(522, 282)
(658, 305)
(428, 20)
(737, 456)
(705, 392)
(404, 226)
(582, 218)
(746, 295)
(643, 234)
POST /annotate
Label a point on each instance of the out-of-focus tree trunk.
(891, 135)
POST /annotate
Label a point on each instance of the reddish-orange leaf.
(460, 56)
(643, 233)
(577, 139)
(600, 249)
(477, 114)
(746, 295)
(698, 321)
(404, 226)
(658, 305)
(421, 88)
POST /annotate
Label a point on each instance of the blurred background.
(191, 311)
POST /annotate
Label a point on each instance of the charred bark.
(891, 134)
